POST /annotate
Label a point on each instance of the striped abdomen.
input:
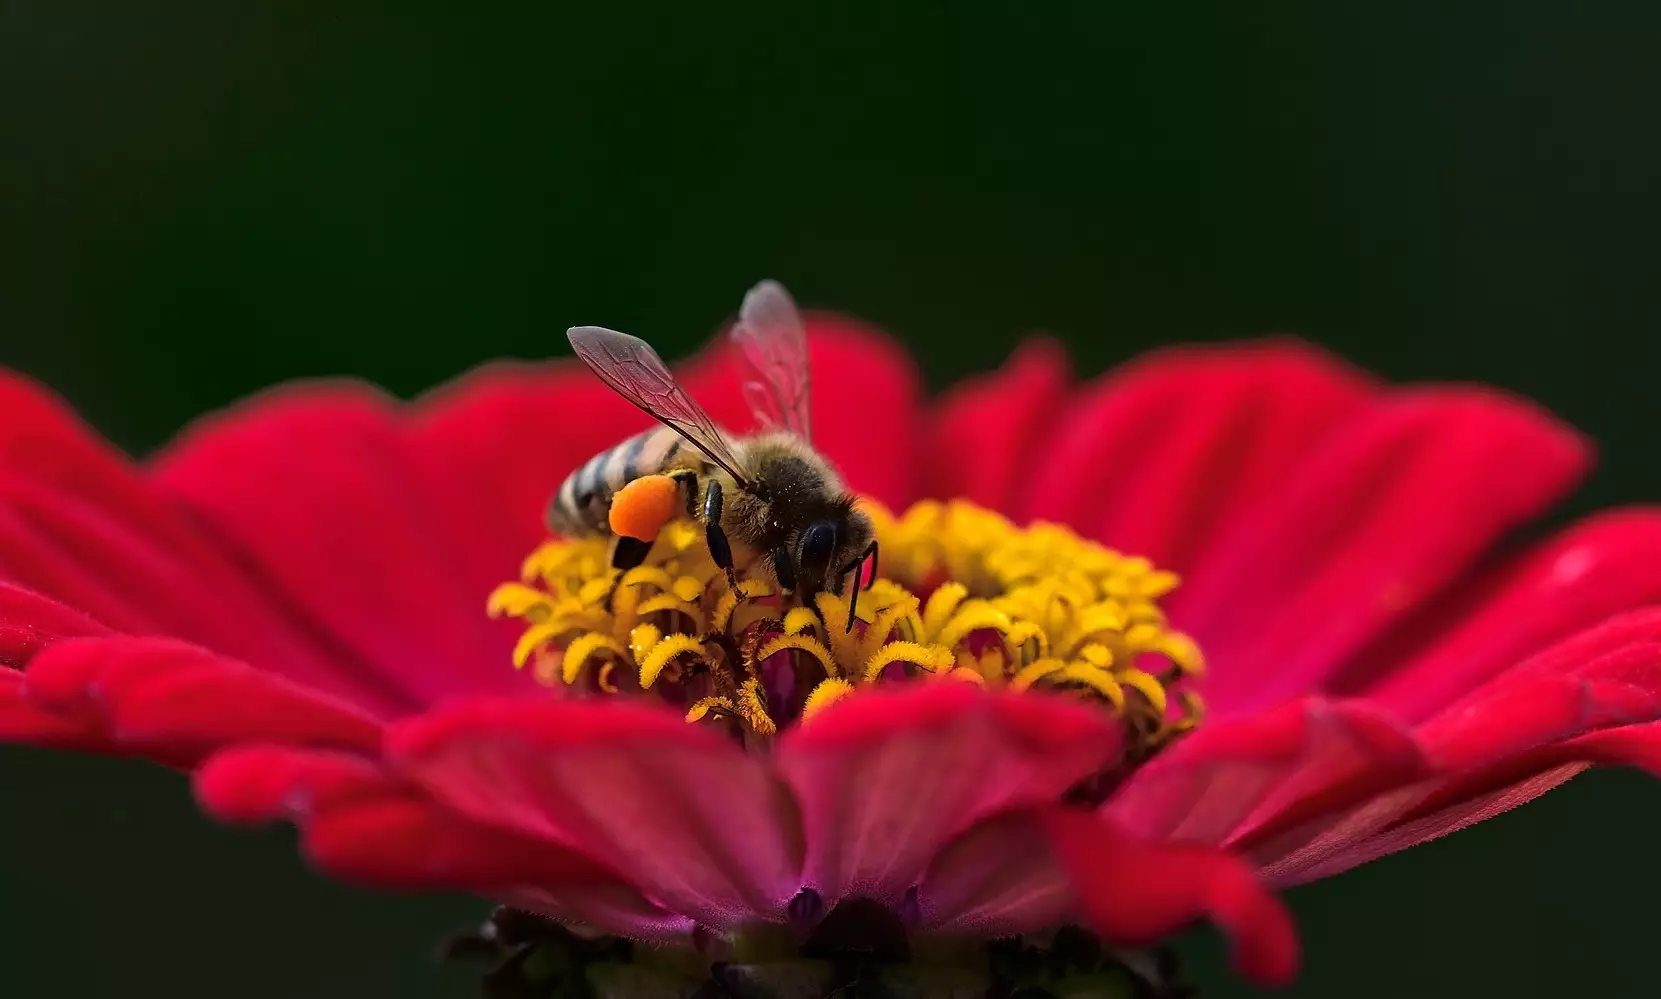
(583, 500)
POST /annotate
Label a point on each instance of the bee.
(770, 504)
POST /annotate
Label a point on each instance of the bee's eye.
(818, 544)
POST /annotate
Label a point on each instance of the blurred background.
(195, 204)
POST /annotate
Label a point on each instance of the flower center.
(967, 596)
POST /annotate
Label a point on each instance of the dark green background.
(194, 205)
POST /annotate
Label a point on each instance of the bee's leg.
(784, 570)
(715, 537)
(687, 480)
(626, 553)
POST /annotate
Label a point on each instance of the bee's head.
(808, 521)
(827, 544)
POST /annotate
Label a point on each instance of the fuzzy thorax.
(966, 597)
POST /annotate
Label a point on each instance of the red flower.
(289, 602)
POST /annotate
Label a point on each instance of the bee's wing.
(770, 332)
(631, 367)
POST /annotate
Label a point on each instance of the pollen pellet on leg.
(970, 597)
(641, 508)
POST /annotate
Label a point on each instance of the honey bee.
(770, 504)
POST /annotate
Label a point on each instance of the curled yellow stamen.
(799, 621)
(660, 655)
(805, 644)
(581, 649)
(930, 657)
(827, 692)
(1146, 685)
(517, 600)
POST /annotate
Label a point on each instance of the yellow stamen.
(930, 657)
(811, 646)
(971, 597)
(827, 692)
(702, 707)
(752, 705)
(582, 649)
(1147, 686)
(800, 620)
(654, 661)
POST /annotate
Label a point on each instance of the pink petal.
(681, 812)
(163, 698)
(1135, 892)
(986, 432)
(885, 779)
(998, 879)
(1394, 505)
(1237, 773)
(1605, 565)
(1160, 456)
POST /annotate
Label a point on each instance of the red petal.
(1506, 743)
(508, 434)
(361, 826)
(690, 818)
(1603, 566)
(177, 702)
(1240, 773)
(1135, 892)
(79, 524)
(986, 431)
(1395, 505)
(29, 622)
(884, 780)
(253, 784)
(1160, 456)
(1423, 812)
(1619, 688)
(994, 881)
(615, 908)
(320, 486)
(405, 841)
(23, 721)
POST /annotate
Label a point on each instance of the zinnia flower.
(1019, 756)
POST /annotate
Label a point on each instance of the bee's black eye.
(818, 543)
